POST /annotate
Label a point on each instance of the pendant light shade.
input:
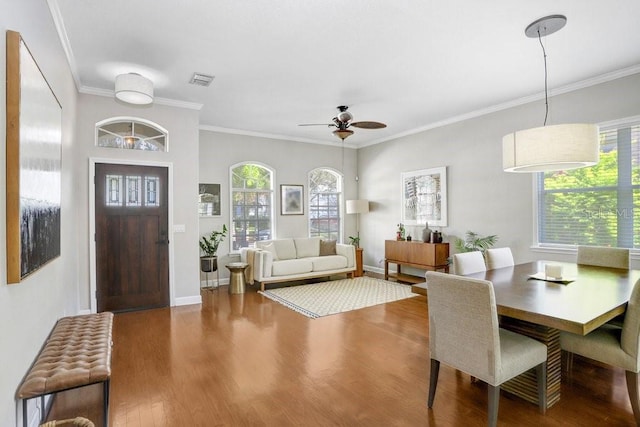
(134, 89)
(551, 148)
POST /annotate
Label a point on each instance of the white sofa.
(283, 260)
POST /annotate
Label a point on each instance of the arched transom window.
(131, 134)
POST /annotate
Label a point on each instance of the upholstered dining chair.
(603, 257)
(613, 346)
(469, 263)
(464, 334)
(499, 257)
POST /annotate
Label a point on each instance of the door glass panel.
(133, 190)
(152, 188)
(114, 190)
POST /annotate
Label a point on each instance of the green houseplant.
(474, 242)
(209, 247)
(355, 241)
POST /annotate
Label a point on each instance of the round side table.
(236, 278)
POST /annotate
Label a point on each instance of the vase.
(426, 234)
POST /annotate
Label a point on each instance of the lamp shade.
(551, 148)
(134, 89)
(357, 206)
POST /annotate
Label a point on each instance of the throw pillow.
(327, 247)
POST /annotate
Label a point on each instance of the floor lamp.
(357, 207)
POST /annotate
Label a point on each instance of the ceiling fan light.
(134, 89)
(343, 133)
(551, 148)
(345, 116)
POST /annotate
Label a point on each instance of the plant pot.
(208, 263)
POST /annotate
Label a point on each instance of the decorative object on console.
(400, 232)
(550, 148)
(291, 199)
(133, 88)
(424, 197)
(426, 233)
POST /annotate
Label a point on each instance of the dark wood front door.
(132, 242)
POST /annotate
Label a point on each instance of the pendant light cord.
(546, 95)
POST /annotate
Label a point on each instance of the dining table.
(582, 299)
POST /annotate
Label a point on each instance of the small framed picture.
(209, 199)
(292, 199)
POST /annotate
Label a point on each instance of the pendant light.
(550, 148)
(134, 89)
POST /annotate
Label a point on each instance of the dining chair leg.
(433, 380)
(541, 374)
(632, 388)
(493, 394)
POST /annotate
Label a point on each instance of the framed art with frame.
(424, 197)
(291, 199)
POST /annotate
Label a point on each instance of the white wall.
(28, 310)
(292, 162)
(481, 197)
(182, 125)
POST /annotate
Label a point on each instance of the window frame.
(272, 211)
(340, 185)
(561, 248)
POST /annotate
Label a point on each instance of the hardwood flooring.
(244, 360)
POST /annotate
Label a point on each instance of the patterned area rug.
(338, 296)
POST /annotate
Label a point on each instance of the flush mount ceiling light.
(550, 148)
(134, 89)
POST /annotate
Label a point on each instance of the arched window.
(251, 204)
(131, 133)
(325, 193)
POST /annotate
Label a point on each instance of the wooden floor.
(244, 360)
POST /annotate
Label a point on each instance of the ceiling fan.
(343, 121)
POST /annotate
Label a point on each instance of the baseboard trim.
(194, 299)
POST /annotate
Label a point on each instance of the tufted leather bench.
(76, 353)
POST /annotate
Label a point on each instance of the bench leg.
(24, 412)
(105, 398)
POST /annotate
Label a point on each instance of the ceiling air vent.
(201, 79)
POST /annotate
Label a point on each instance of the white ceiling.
(412, 64)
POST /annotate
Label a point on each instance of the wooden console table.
(426, 256)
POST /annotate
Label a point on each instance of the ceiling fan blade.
(317, 124)
(368, 125)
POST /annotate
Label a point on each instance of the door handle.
(162, 242)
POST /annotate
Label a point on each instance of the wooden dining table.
(541, 309)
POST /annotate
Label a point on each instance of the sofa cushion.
(307, 247)
(329, 262)
(271, 247)
(285, 248)
(291, 266)
(327, 247)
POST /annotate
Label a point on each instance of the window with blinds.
(595, 205)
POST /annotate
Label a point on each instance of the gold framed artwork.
(34, 157)
(291, 199)
(424, 197)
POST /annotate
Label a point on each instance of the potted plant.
(209, 247)
(474, 242)
(355, 241)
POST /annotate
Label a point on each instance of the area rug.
(338, 296)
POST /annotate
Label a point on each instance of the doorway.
(131, 237)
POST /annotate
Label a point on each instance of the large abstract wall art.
(34, 146)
